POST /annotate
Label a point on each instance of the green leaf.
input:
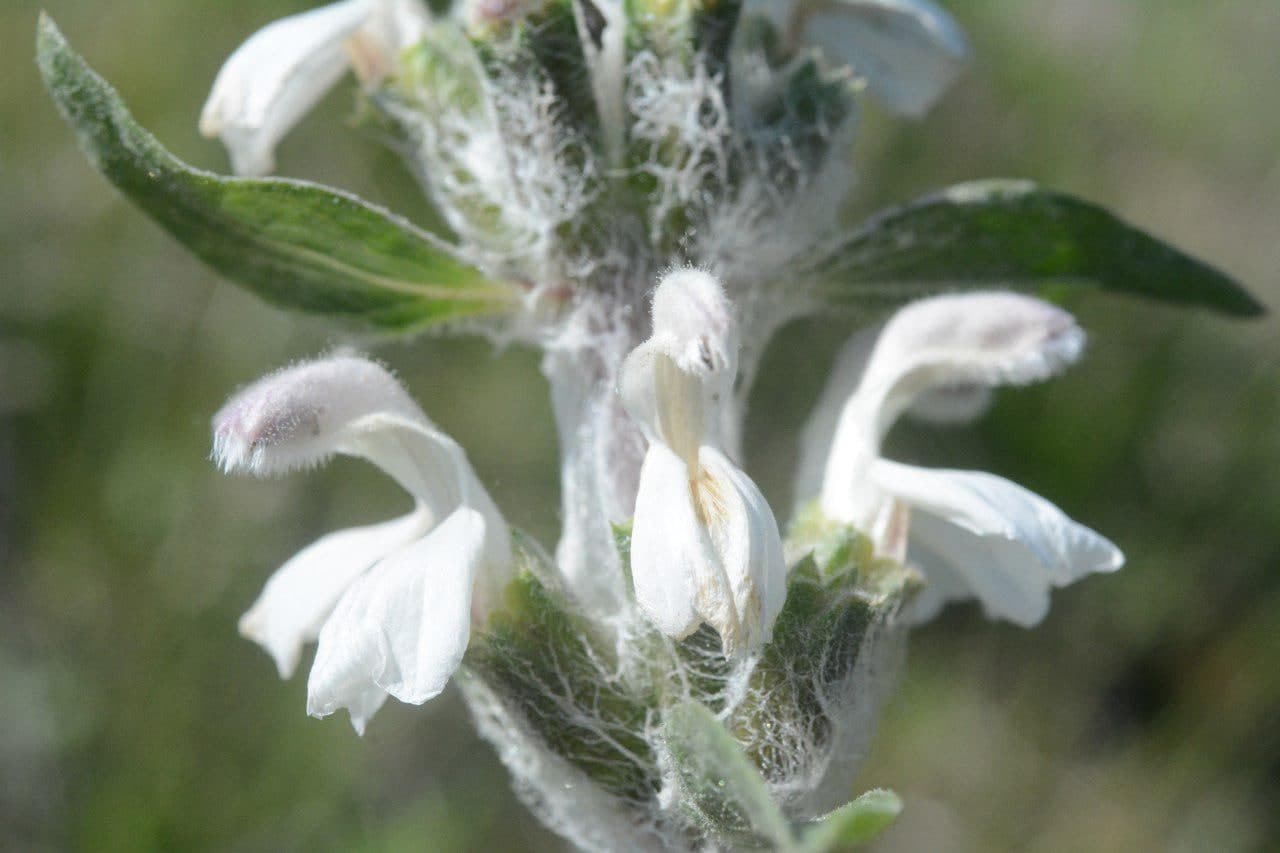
(1007, 232)
(854, 824)
(296, 244)
(718, 777)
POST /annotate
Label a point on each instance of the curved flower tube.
(972, 534)
(704, 543)
(274, 79)
(391, 604)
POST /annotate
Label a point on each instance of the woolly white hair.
(295, 418)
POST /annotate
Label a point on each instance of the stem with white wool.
(601, 450)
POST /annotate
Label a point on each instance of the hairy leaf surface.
(296, 244)
(1014, 233)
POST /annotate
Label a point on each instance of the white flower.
(391, 604)
(272, 80)
(704, 543)
(908, 52)
(972, 534)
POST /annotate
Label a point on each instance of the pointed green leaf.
(297, 244)
(854, 824)
(719, 778)
(1011, 232)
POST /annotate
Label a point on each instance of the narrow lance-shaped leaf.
(294, 243)
(854, 824)
(1012, 232)
(719, 777)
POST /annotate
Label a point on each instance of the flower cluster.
(392, 604)
(645, 190)
(650, 404)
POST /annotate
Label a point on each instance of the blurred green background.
(1143, 715)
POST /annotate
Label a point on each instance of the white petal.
(748, 546)
(295, 417)
(407, 21)
(345, 404)
(1009, 582)
(669, 404)
(430, 465)
(943, 582)
(969, 339)
(403, 627)
(434, 469)
(276, 77)
(1009, 545)
(302, 593)
(933, 346)
(637, 387)
(669, 549)
(677, 384)
(908, 51)
(373, 49)
(694, 316)
(945, 404)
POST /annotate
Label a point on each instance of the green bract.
(688, 742)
